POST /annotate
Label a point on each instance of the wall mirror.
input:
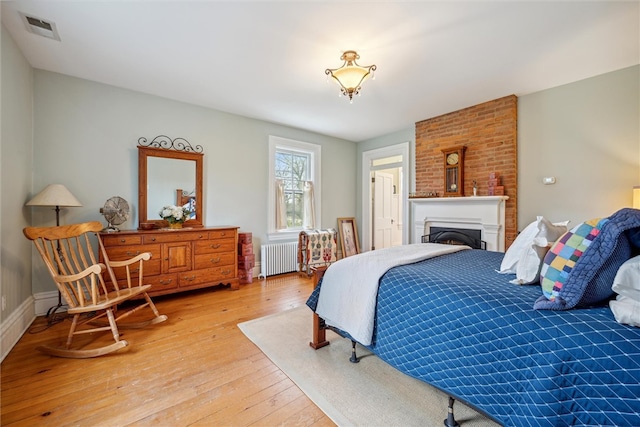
(169, 173)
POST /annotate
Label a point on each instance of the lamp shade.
(636, 197)
(54, 195)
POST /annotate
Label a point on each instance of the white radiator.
(278, 258)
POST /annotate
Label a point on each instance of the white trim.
(15, 326)
(368, 157)
(289, 144)
(43, 301)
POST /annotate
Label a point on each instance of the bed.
(534, 355)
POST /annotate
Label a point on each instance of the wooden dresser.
(181, 260)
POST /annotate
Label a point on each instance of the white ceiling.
(266, 59)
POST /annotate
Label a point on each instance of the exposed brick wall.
(489, 131)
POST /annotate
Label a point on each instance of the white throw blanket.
(349, 290)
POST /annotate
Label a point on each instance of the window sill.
(283, 235)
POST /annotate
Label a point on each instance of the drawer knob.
(123, 240)
(131, 253)
(153, 239)
(215, 260)
(215, 246)
(166, 282)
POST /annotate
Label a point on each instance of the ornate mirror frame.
(180, 149)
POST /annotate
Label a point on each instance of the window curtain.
(281, 207)
(309, 215)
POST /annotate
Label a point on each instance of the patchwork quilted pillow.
(580, 267)
(564, 254)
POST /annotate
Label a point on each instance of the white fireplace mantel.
(484, 213)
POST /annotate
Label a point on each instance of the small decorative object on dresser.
(181, 260)
(175, 215)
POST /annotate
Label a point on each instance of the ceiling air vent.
(40, 27)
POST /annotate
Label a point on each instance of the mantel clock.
(454, 171)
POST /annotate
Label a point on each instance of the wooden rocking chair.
(69, 256)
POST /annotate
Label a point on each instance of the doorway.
(384, 197)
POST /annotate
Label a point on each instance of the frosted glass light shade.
(351, 77)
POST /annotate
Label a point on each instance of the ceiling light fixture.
(351, 75)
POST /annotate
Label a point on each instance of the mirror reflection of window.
(164, 177)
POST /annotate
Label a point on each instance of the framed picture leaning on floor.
(348, 236)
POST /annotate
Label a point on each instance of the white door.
(383, 210)
(370, 163)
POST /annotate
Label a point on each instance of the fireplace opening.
(455, 236)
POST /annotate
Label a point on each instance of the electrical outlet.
(4, 302)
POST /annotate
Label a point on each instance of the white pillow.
(626, 310)
(551, 231)
(514, 253)
(627, 280)
(530, 262)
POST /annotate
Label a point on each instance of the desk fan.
(115, 211)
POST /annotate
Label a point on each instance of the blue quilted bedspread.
(455, 323)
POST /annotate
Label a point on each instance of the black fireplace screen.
(455, 236)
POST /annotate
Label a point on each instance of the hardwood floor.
(195, 369)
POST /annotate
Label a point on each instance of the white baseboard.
(43, 301)
(16, 325)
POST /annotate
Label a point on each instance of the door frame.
(368, 157)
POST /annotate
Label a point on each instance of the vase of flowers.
(175, 215)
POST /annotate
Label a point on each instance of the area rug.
(369, 393)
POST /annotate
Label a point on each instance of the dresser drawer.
(161, 282)
(214, 246)
(223, 234)
(122, 253)
(225, 273)
(173, 236)
(209, 275)
(119, 239)
(149, 268)
(214, 260)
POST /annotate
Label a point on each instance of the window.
(294, 187)
(293, 170)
